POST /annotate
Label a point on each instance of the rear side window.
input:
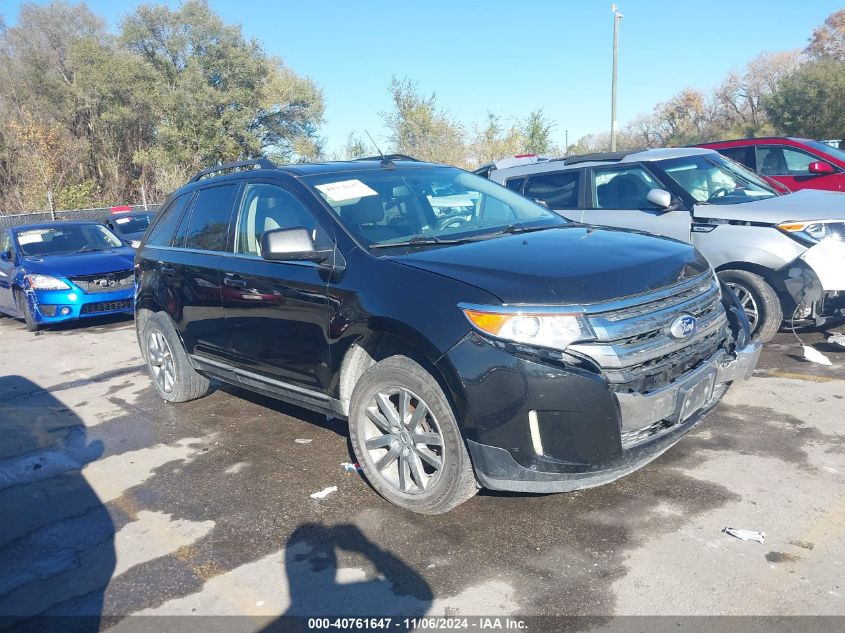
(209, 223)
(744, 155)
(558, 190)
(622, 187)
(164, 230)
(515, 184)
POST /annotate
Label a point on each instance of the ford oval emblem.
(684, 326)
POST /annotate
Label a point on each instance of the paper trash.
(746, 535)
(815, 356)
(325, 492)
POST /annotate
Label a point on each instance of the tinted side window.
(515, 184)
(558, 190)
(744, 155)
(622, 188)
(779, 160)
(163, 231)
(267, 207)
(209, 223)
(6, 245)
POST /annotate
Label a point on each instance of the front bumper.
(57, 306)
(546, 427)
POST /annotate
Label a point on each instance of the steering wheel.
(451, 223)
(721, 191)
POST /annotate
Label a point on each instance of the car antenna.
(385, 162)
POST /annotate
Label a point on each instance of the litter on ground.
(815, 356)
(837, 338)
(350, 467)
(325, 492)
(301, 440)
(745, 535)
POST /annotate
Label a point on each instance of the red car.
(798, 163)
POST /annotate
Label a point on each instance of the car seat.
(363, 217)
(774, 164)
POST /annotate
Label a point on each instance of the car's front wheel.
(758, 299)
(406, 438)
(174, 378)
(23, 305)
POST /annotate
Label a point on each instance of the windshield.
(73, 238)
(384, 207)
(716, 180)
(830, 150)
(133, 223)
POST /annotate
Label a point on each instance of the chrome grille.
(634, 347)
(105, 282)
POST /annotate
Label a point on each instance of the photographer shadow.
(319, 587)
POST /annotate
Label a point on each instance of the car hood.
(73, 264)
(800, 206)
(566, 265)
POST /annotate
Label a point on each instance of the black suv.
(469, 336)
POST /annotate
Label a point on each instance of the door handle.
(234, 282)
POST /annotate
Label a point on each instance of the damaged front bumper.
(587, 438)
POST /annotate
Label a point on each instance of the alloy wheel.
(161, 361)
(403, 440)
(748, 303)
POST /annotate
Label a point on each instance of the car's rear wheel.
(406, 438)
(23, 305)
(174, 378)
(758, 299)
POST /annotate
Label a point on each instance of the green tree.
(811, 101)
(537, 130)
(418, 127)
(356, 147)
(219, 96)
(495, 141)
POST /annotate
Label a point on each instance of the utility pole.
(617, 18)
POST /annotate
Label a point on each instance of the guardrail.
(74, 214)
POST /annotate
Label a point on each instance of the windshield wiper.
(419, 240)
(513, 229)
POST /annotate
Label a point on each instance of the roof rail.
(391, 157)
(599, 157)
(263, 163)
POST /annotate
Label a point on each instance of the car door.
(276, 311)
(190, 269)
(791, 166)
(617, 198)
(7, 271)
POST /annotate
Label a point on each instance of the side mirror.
(291, 245)
(820, 167)
(6, 257)
(660, 198)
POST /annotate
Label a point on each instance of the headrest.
(366, 211)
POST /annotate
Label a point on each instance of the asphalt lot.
(113, 501)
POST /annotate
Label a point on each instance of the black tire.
(760, 301)
(31, 324)
(173, 377)
(453, 482)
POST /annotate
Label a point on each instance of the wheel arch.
(366, 350)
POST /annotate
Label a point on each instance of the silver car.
(783, 254)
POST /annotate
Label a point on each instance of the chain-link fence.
(76, 214)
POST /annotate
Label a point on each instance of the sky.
(506, 57)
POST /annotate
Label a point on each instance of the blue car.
(60, 271)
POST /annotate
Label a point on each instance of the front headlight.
(45, 282)
(540, 329)
(815, 230)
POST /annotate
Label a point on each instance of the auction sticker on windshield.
(30, 237)
(346, 190)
